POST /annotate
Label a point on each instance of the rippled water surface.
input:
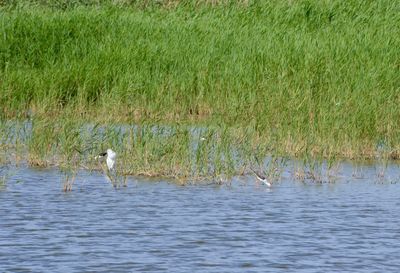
(156, 226)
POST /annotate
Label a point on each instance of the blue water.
(352, 225)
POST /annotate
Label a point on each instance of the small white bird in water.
(262, 178)
(111, 156)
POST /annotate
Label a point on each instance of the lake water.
(352, 225)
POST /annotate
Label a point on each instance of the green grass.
(299, 78)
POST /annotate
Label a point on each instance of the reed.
(68, 181)
(307, 79)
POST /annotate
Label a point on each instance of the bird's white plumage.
(262, 178)
(111, 156)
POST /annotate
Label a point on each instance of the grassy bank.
(298, 78)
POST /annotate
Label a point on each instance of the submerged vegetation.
(199, 88)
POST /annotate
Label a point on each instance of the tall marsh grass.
(302, 78)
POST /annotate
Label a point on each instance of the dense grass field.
(305, 78)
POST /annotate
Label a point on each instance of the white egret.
(111, 156)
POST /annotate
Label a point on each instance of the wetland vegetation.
(198, 88)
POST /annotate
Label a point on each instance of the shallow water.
(352, 225)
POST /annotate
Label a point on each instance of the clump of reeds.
(322, 76)
(305, 79)
(317, 171)
(68, 181)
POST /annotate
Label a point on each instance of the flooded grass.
(197, 89)
(150, 150)
(182, 153)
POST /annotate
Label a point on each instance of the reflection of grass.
(5, 175)
(115, 177)
(308, 79)
(3, 181)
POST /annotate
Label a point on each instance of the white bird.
(262, 178)
(111, 156)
